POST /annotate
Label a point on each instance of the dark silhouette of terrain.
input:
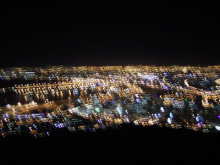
(124, 145)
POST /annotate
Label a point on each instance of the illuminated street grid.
(41, 101)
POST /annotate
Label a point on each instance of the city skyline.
(90, 98)
(109, 82)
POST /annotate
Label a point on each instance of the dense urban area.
(45, 101)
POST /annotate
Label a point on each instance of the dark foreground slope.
(125, 145)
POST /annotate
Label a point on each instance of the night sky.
(38, 34)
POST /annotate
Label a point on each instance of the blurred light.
(19, 104)
(97, 110)
(171, 115)
(6, 115)
(169, 120)
(135, 122)
(217, 127)
(8, 106)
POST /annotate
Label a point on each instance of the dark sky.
(38, 34)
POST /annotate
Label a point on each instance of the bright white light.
(97, 110)
(74, 110)
(162, 109)
(119, 110)
(19, 104)
(217, 127)
(136, 95)
(171, 115)
(70, 111)
(8, 106)
(135, 122)
(169, 120)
